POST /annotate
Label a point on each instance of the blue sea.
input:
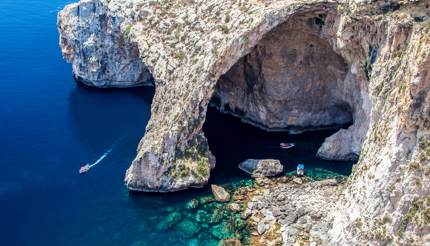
(50, 126)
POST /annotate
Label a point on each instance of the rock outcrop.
(262, 168)
(220, 194)
(95, 41)
(376, 74)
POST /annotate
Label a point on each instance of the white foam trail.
(105, 154)
(101, 157)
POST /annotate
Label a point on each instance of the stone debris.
(291, 213)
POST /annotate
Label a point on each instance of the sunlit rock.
(262, 168)
(220, 193)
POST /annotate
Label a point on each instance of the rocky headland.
(279, 65)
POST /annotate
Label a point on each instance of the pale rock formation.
(94, 42)
(378, 75)
(220, 194)
(262, 168)
(291, 210)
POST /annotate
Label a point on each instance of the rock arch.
(181, 145)
(187, 46)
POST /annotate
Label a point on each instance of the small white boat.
(85, 168)
(300, 170)
(287, 145)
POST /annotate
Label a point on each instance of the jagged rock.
(97, 46)
(298, 180)
(221, 195)
(230, 242)
(234, 207)
(262, 168)
(246, 213)
(338, 146)
(262, 227)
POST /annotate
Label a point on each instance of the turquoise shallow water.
(50, 126)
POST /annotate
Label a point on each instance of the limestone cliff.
(97, 46)
(294, 65)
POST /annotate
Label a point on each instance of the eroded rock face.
(292, 79)
(99, 50)
(189, 45)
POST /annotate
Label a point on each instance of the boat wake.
(105, 154)
(85, 168)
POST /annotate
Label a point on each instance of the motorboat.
(287, 145)
(300, 170)
(85, 168)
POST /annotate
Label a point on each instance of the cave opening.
(233, 141)
(291, 87)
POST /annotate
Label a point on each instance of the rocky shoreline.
(284, 210)
(291, 210)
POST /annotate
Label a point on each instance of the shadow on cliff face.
(292, 80)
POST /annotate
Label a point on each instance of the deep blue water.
(49, 126)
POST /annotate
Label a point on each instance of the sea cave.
(292, 87)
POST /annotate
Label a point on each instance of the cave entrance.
(291, 82)
(233, 141)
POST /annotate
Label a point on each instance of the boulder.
(298, 180)
(234, 207)
(262, 168)
(221, 195)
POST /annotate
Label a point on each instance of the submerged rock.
(188, 228)
(217, 216)
(262, 168)
(171, 220)
(206, 199)
(222, 231)
(192, 204)
(221, 195)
